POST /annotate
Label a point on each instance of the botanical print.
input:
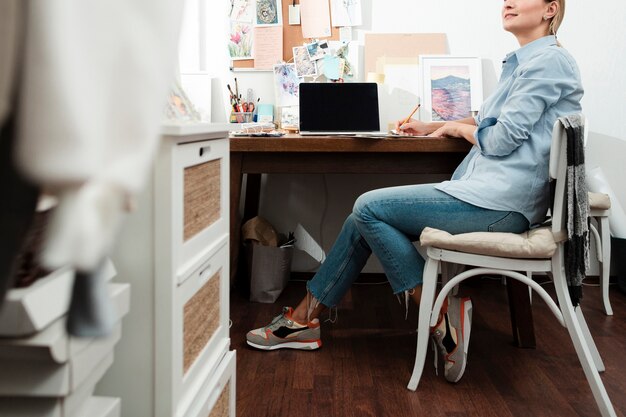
(287, 85)
(450, 92)
(242, 11)
(240, 42)
(304, 65)
(268, 12)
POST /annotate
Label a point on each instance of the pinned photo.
(317, 50)
(304, 65)
(269, 12)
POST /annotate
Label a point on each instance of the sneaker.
(451, 336)
(284, 332)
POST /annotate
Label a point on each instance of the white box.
(68, 406)
(53, 364)
(100, 407)
(30, 309)
(48, 378)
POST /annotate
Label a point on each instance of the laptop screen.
(340, 107)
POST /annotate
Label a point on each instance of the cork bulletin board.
(292, 36)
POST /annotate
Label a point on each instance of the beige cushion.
(536, 243)
(599, 201)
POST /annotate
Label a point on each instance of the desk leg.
(253, 196)
(521, 314)
(236, 178)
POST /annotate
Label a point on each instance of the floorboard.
(367, 356)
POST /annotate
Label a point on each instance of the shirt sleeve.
(540, 85)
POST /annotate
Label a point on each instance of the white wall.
(595, 34)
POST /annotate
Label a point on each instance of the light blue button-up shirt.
(508, 168)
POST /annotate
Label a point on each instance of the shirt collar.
(530, 49)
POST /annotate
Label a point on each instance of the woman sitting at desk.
(501, 186)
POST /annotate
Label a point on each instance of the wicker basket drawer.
(202, 315)
(200, 196)
(217, 397)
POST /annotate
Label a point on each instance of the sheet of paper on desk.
(306, 243)
(268, 46)
(315, 18)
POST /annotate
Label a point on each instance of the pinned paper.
(304, 65)
(346, 12)
(317, 50)
(269, 12)
(315, 18)
(294, 14)
(240, 43)
(333, 67)
(345, 34)
(287, 85)
(242, 11)
(268, 46)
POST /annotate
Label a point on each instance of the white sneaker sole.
(289, 345)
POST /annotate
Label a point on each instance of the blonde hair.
(557, 19)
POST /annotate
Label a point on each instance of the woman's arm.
(463, 128)
(417, 128)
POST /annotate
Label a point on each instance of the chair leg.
(603, 226)
(597, 359)
(448, 271)
(578, 339)
(423, 327)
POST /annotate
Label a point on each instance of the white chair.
(599, 205)
(539, 250)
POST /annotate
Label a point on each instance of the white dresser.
(174, 358)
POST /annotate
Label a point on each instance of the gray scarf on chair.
(577, 245)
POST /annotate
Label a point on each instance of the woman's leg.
(387, 222)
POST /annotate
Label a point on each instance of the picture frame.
(179, 109)
(452, 87)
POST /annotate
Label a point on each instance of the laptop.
(349, 109)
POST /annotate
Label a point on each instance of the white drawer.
(218, 395)
(200, 200)
(198, 338)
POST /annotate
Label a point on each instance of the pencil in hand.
(409, 116)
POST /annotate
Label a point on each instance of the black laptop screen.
(339, 107)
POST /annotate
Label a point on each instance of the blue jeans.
(386, 222)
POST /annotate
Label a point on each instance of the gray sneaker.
(451, 336)
(284, 332)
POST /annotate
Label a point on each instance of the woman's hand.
(456, 130)
(413, 127)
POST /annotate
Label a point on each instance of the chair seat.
(534, 244)
(599, 201)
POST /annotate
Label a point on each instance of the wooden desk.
(295, 154)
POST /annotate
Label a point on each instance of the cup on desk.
(241, 116)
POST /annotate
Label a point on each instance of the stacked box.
(46, 372)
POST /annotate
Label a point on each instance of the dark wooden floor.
(367, 357)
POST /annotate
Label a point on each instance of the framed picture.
(179, 108)
(452, 87)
